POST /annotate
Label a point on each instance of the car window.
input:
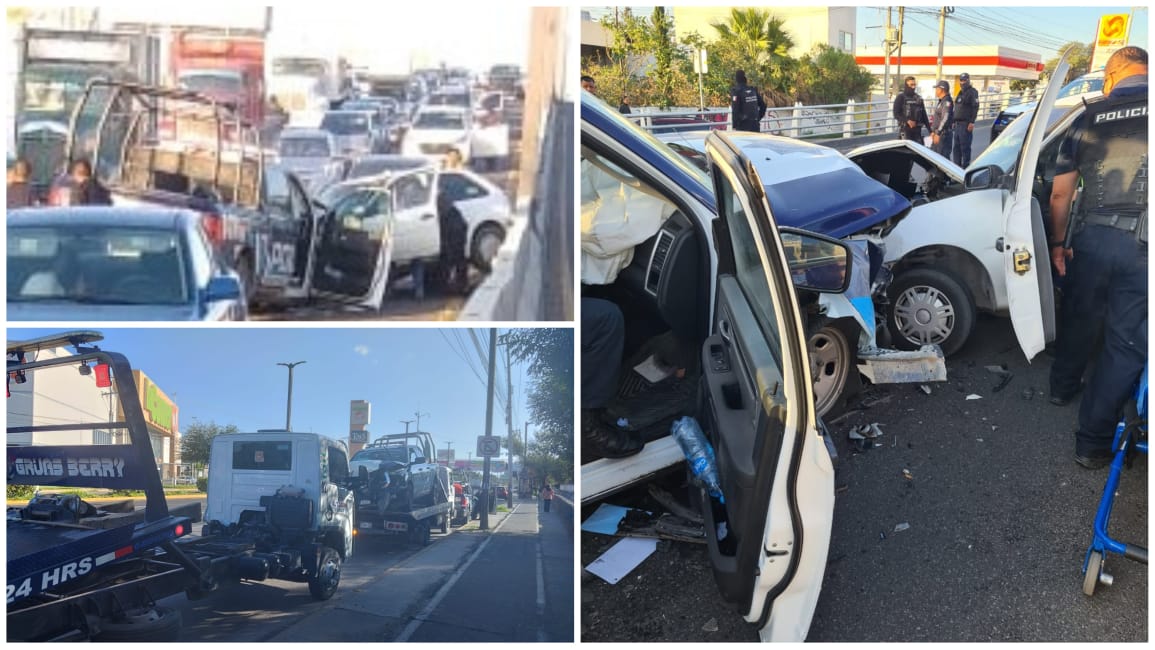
(271, 455)
(338, 466)
(412, 190)
(750, 271)
(97, 265)
(1004, 151)
(444, 121)
(298, 202)
(459, 188)
(277, 193)
(200, 257)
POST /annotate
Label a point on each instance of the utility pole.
(509, 421)
(448, 448)
(488, 428)
(898, 70)
(525, 459)
(419, 414)
(888, 45)
(941, 39)
(406, 423)
(289, 403)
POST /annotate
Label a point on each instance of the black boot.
(600, 440)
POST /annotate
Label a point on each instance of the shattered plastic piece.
(855, 435)
(721, 530)
(881, 535)
(711, 625)
(979, 439)
(1028, 394)
(841, 488)
(907, 475)
(924, 388)
(623, 423)
(973, 396)
(998, 370)
(874, 430)
(901, 527)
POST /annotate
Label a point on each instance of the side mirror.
(223, 287)
(982, 178)
(817, 262)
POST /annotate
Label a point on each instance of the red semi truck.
(225, 68)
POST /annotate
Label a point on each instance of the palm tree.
(761, 43)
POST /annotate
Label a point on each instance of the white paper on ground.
(622, 558)
(653, 371)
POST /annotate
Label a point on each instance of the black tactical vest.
(1113, 156)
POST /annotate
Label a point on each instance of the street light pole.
(488, 428)
(289, 403)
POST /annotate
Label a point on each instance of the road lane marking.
(420, 618)
(541, 635)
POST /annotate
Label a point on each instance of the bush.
(21, 491)
(202, 485)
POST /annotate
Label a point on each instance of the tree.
(197, 439)
(1079, 60)
(754, 41)
(830, 76)
(662, 73)
(549, 353)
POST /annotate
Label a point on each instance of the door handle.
(1000, 245)
(724, 330)
(427, 217)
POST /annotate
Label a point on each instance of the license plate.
(396, 525)
(366, 524)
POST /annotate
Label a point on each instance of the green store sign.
(161, 411)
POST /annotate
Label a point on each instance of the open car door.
(769, 535)
(1030, 290)
(354, 249)
(417, 234)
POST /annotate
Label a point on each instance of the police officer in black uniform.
(746, 104)
(1104, 262)
(910, 111)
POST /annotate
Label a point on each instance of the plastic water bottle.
(699, 454)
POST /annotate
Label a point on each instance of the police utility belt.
(1137, 225)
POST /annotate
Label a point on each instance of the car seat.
(41, 284)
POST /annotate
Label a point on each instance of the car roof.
(160, 218)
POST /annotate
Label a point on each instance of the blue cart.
(1130, 438)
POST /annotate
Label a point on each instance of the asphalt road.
(513, 582)
(999, 517)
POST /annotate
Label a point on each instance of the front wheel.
(148, 624)
(832, 355)
(487, 241)
(929, 306)
(324, 581)
(1091, 576)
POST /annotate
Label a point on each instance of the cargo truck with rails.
(227, 68)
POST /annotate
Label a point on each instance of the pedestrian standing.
(746, 104)
(547, 497)
(589, 84)
(940, 131)
(19, 190)
(624, 107)
(910, 112)
(966, 111)
(453, 268)
(1104, 261)
(87, 190)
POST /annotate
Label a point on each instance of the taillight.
(213, 226)
(179, 530)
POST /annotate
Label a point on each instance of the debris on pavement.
(979, 439)
(865, 436)
(622, 558)
(881, 535)
(605, 519)
(711, 625)
(1005, 377)
(673, 505)
(901, 527)
(907, 475)
(841, 488)
(973, 396)
(924, 388)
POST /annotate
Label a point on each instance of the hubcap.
(924, 315)
(488, 246)
(829, 365)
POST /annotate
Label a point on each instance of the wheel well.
(335, 540)
(959, 263)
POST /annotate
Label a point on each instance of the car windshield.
(54, 94)
(305, 148)
(597, 105)
(304, 67)
(395, 453)
(444, 121)
(1004, 151)
(1081, 86)
(214, 84)
(334, 193)
(96, 265)
(449, 99)
(373, 166)
(346, 123)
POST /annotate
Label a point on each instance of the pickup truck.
(400, 488)
(181, 148)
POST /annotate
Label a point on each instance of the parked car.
(356, 132)
(437, 129)
(1087, 86)
(115, 264)
(502, 492)
(712, 288)
(312, 155)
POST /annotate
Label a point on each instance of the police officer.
(910, 112)
(966, 111)
(746, 104)
(1105, 261)
(943, 120)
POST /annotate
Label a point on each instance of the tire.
(1091, 575)
(326, 578)
(833, 369)
(424, 533)
(444, 524)
(147, 624)
(929, 306)
(487, 240)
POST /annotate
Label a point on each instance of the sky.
(230, 376)
(1041, 29)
